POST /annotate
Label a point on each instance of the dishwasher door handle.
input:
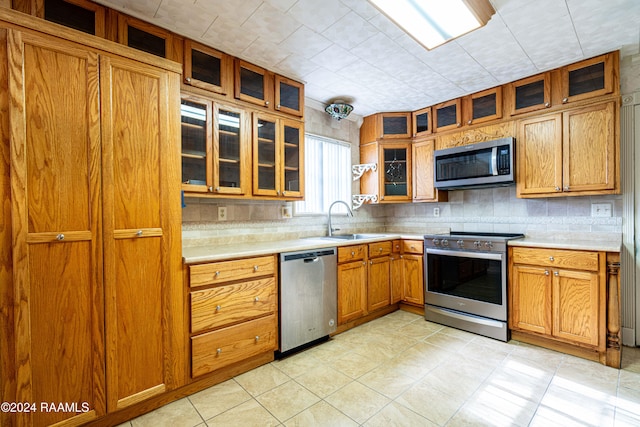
(316, 259)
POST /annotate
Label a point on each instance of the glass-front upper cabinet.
(145, 37)
(289, 96)
(277, 157)
(196, 133)
(396, 160)
(253, 84)
(231, 154)
(484, 106)
(422, 122)
(589, 78)
(447, 115)
(395, 125)
(207, 68)
(530, 94)
(80, 15)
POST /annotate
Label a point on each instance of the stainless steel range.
(466, 281)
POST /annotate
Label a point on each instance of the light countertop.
(607, 242)
(199, 254)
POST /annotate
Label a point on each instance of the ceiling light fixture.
(339, 109)
(434, 22)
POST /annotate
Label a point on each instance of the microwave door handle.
(494, 161)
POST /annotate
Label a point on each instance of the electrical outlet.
(222, 213)
(436, 212)
(602, 210)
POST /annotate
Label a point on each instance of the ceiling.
(347, 49)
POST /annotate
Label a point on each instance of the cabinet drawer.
(215, 307)
(413, 246)
(227, 271)
(380, 249)
(351, 253)
(217, 349)
(577, 260)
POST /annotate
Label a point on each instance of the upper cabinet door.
(484, 106)
(253, 84)
(196, 131)
(421, 121)
(289, 96)
(232, 151)
(588, 79)
(447, 115)
(292, 175)
(207, 68)
(530, 94)
(80, 15)
(395, 125)
(146, 37)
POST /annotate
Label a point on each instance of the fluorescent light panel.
(434, 22)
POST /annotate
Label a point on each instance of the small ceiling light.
(339, 109)
(434, 22)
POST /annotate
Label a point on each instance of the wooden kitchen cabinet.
(148, 38)
(253, 84)
(482, 106)
(384, 126)
(571, 153)
(278, 157)
(423, 174)
(379, 275)
(352, 283)
(413, 272)
(559, 294)
(529, 94)
(391, 182)
(590, 78)
(82, 15)
(447, 115)
(97, 246)
(233, 310)
(289, 96)
(397, 272)
(422, 123)
(207, 68)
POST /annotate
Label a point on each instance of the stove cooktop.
(471, 240)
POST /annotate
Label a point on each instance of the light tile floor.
(400, 370)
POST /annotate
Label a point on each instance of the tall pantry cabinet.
(91, 313)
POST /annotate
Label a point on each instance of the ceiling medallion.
(339, 109)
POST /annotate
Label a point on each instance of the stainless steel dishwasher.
(308, 297)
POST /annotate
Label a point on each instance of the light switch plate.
(601, 210)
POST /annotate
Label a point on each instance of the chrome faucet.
(349, 214)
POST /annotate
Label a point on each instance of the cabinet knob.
(218, 307)
(188, 79)
(401, 256)
(216, 274)
(557, 188)
(379, 249)
(547, 104)
(284, 193)
(210, 189)
(566, 188)
(551, 259)
(353, 253)
(278, 107)
(555, 273)
(266, 103)
(256, 299)
(364, 263)
(469, 122)
(60, 237)
(255, 268)
(458, 124)
(219, 351)
(139, 233)
(546, 272)
(565, 100)
(371, 262)
(257, 338)
(217, 189)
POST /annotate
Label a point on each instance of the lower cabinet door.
(217, 349)
(413, 279)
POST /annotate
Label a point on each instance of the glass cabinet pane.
(291, 158)
(394, 125)
(70, 15)
(146, 42)
(447, 116)
(206, 68)
(252, 83)
(266, 154)
(587, 79)
(422, 122)
(530, 95)
(229, 149)
(194, 142)
(395, 171)
(289, 96)
(484, 106)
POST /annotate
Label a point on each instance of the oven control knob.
(460, 243)
(436, 242)
(488, 245)
(445, 242)
(477, 244)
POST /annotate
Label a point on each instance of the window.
(327, 164)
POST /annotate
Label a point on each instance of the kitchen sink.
(352, 236)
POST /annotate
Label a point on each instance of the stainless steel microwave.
(485, 164)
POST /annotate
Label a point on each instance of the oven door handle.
(478, 255)
(494, 161)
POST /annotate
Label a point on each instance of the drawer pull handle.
(255, 268)
(379, 249)
(551, 259)
(546, 272)
(257, 338)
(219, 351)
(216, 274)
(60, 237)
(218, 307)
